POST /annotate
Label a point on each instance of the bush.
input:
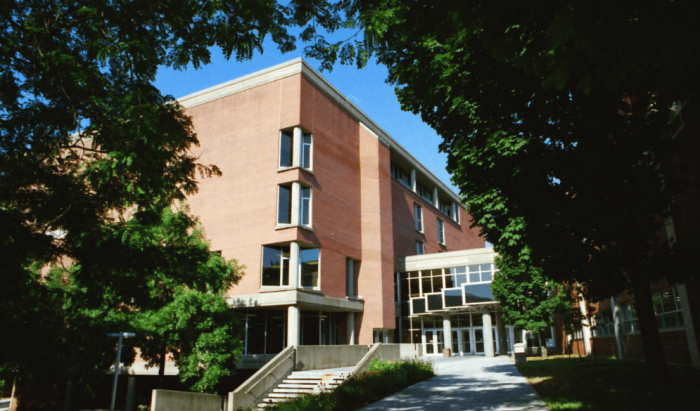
(381, 380)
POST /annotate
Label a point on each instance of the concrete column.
(435, 197)
(296, 144)
(350, 277)
(414, 187)
(455, 212)
(351, 328)
(130, 394)
(689, 328)
(501, 331)
(488, 333)
(296, 205)
(586, 326)
(447, 332)
(294, 265)
(618, 326)
(293, 317)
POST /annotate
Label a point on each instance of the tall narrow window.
(286, 149)
(441, 231)
(420, 248)
(275, 266)
(284, 205)
(309, 267)
(418, 215)
(306, 206)
(306, 151)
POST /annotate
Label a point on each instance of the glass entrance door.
(440, 342)
(478, 340)
(429, 342)
(466, 347)
(455, 342)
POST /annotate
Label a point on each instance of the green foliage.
(382, 379)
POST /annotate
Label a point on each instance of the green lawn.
(580, 384)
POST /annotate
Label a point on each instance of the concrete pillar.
(351, 328)
(296, 147)
(296, 206)
(294, 265)
(488, 333)
(414, 187)
(130, 394)
(455, 212)
(435, 197)
(501, 331)
(618, 326)
(350, 277)
(586, 329)
(447, 332)
(293, 317)
(689, 327)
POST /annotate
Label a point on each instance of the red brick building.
(319, 203)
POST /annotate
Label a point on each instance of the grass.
(579, 384)
(383, 379)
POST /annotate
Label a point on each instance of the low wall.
(165, 400)
(410, 350)
(248, 394)
(319, 357)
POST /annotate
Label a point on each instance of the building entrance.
(465, 341)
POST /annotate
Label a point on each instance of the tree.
(554, 117)
(87, 144)
(528, 299)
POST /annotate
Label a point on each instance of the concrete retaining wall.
(165, 400)
(255, 388)
(319, 357)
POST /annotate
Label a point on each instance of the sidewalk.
(467, 383)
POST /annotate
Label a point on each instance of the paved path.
(467, 383)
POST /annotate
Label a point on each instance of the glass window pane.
(414, 288)
(486, 276)
(305, 205)
(418, 212)
(427, 285)
(668, 301)
(437, 284)
(461, 280)
(284, 204)
(453, 298)
(309, 267)
(473, 268)
(418, 305)
(306, 151)
(285, 265)
(435, 302)
(450, 281)
(403, 290)
(478, 293)
(485, 267)
(274, 341)
(428, 322)
(256, 332)
(474, 277)
(272, 264)
(286, 149)
(477, 320)
(458, 270)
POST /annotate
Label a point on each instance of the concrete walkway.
(467, 383)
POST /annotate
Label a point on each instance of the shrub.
(381, 380)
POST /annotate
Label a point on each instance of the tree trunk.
(543, 346)
(651, 339)
(161, 368)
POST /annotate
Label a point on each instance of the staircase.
(306, 382)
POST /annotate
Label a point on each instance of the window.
(603, 325)
(302, 146)
(441, 231)
(306, 206)
(667, 307)
(306, 151)
(418, 215)
(424, 193)
(284, 204)
(309, 267)
(401, 175)
(350, 277)
(446, 208)
(286, 149)
(275, 266)
(420, 248)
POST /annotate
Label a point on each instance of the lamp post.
(121, 336)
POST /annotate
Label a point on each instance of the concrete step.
(291, 391)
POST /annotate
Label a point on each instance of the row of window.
(286, 195)
(403, 177)
(275, 266)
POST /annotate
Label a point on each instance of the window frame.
(279, 248)
(318, 269)
(291, 202)
(302, 208)
(303, 151)
(290, 134)
(420, 246)
(441, 231)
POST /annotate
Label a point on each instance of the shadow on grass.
(578, 384)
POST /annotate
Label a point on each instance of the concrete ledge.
(166, 400)
(303, 298)
(320, 357)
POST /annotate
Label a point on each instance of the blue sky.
(366, 88)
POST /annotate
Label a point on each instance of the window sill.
(420, 232)
(286, 226)
(270, 288)
(283, 169)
